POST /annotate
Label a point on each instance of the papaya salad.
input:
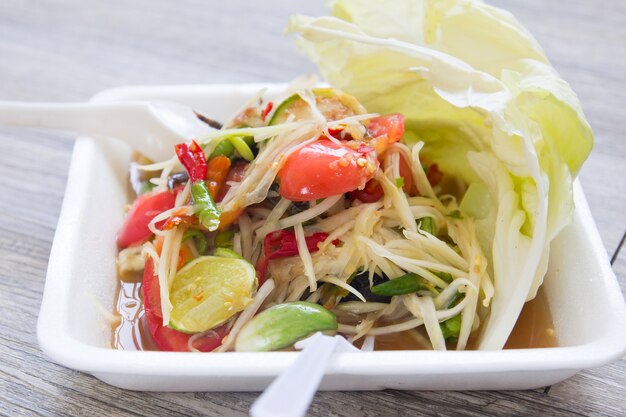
(302, 214)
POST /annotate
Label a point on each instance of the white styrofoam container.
(586, 302)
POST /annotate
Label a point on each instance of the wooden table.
(72, 49)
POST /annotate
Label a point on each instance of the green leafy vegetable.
(476, 87)
(208, 213)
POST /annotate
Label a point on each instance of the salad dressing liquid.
(132, 333)
(533, 329)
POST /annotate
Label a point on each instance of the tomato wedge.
(144, 209)
(324, 168)
(165, 338)
(386, 130)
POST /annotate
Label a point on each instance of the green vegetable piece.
(280, 114)
(400, 182)
(207, 212)
(455, 214)
(451, 327)
(224, 239)
(242, 147)
(224, 148)
(406, 284)
(447, 277)
(199, 239)
(252, 144)
(294, 105)
(427, 224)
(146, 187)
(282, 325)
(227, 253)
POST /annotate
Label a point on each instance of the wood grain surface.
(70, 49)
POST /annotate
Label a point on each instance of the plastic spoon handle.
(132, 122)
(82, 118)
(292, 392)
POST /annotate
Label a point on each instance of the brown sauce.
(132, 333)
(533, 329)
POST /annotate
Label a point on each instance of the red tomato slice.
(386, 130)
(165, 338)
(150, 290)
(144, 209)
(322, 169)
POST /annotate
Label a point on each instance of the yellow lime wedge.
(208, 291)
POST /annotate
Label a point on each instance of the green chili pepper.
(224, 148)
(224, 239)
(406, 284)
(207, 212)
(198, 238)
(451, 327)
(427, 224)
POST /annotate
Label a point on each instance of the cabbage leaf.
(476, 87)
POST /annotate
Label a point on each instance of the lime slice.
(208, 291)
(226, 253)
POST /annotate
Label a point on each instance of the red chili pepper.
(192, 157)
(372, 192)
(267, 110)
(283, 244)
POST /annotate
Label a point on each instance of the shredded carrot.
(229, 217)
(217, 169)
(184, 256)
(158, 244)
(177, 220)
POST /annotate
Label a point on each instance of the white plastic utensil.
(153, 128)
(292, 392)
